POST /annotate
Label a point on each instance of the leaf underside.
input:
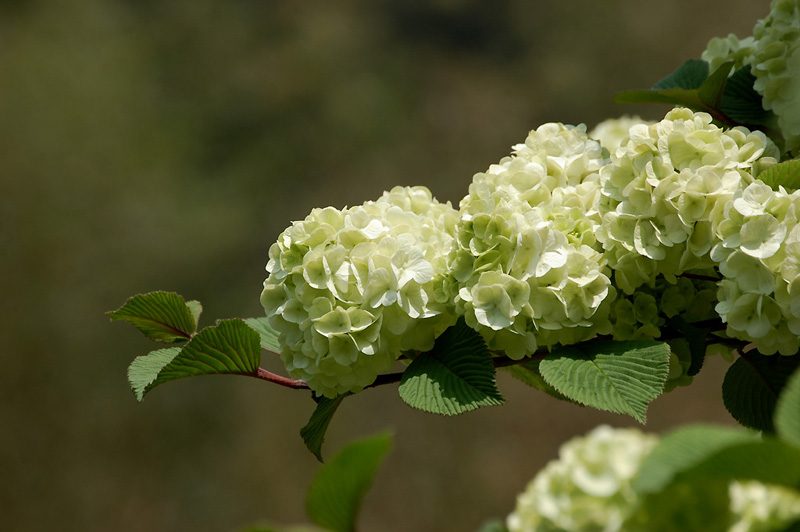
(161, 316)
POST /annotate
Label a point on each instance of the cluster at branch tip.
(574, 235)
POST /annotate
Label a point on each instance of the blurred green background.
(164, 145)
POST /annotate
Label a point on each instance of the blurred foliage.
(164, 145)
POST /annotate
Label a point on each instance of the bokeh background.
(150, 145)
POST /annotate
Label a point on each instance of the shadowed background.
(164, 145)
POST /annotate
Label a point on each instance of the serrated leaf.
(335, 496)
(681, 450)
(752, 385)
(785, 174)
(313, 433)
(740, 101)
(230, 347)
(690, 75)
(145, 369)
(269, 336)
(196, 309)
(621, 377)
(528, 372)
(456, 376)
(161, 316)
(787, 411)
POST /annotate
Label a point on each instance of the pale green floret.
(350, 290)
(589, 489)
(758, 255)
(528, 266)
(614, 132)
(664, 194)
(731, 48)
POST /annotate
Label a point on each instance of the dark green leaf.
(740, 101)
(621, 377)
(528, 372)
(269, 337)
(690, 75)
(683, 97)
(314, 432)
(710, 92)
(161, 316)
(785, 174)
(456, 376)
(695, 337)
(787, 411)
(700, 504)
(752, 385)
(230, 347)
(495, 525)
(336, 494)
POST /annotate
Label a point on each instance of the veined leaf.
(314, 432)
(230, 347)
(269, 336)
(620, 377)
(456, 376)
(787, 411)
(335, 496)
(741, 102)
(785, 174)
(161, 316)
(752, 385)
(528, 372)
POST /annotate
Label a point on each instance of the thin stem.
(281, 380)
(700, 277)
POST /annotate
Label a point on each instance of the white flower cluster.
(555, 244)
(527, 263)
(665, 190)
(588, 489)
(350, 290)
(773, 52)
(759, 256)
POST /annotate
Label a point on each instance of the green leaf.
(528, 372)
(752, 385)
(456, 376)
(785, 174)
(690, 75)
(682, 97)
(335, 496)
(694, 453)
(701, 504)
(683, 449)
(740, 101)
(230, 347)
(145, 369)
(161, 316)
(787, 411)
(196, 309)
(269, 336)
(314, 432)
(621, 377)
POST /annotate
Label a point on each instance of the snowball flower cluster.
(773, 53)
(759, 256)
(665, 190)
(528, 267)
(588, 489)
(350, 290)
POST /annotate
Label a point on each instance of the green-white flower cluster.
(773, 53)
(665, 190)
(561, 241)
(350, 290)
(528, 267)
(588, 489)
(759, 256)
